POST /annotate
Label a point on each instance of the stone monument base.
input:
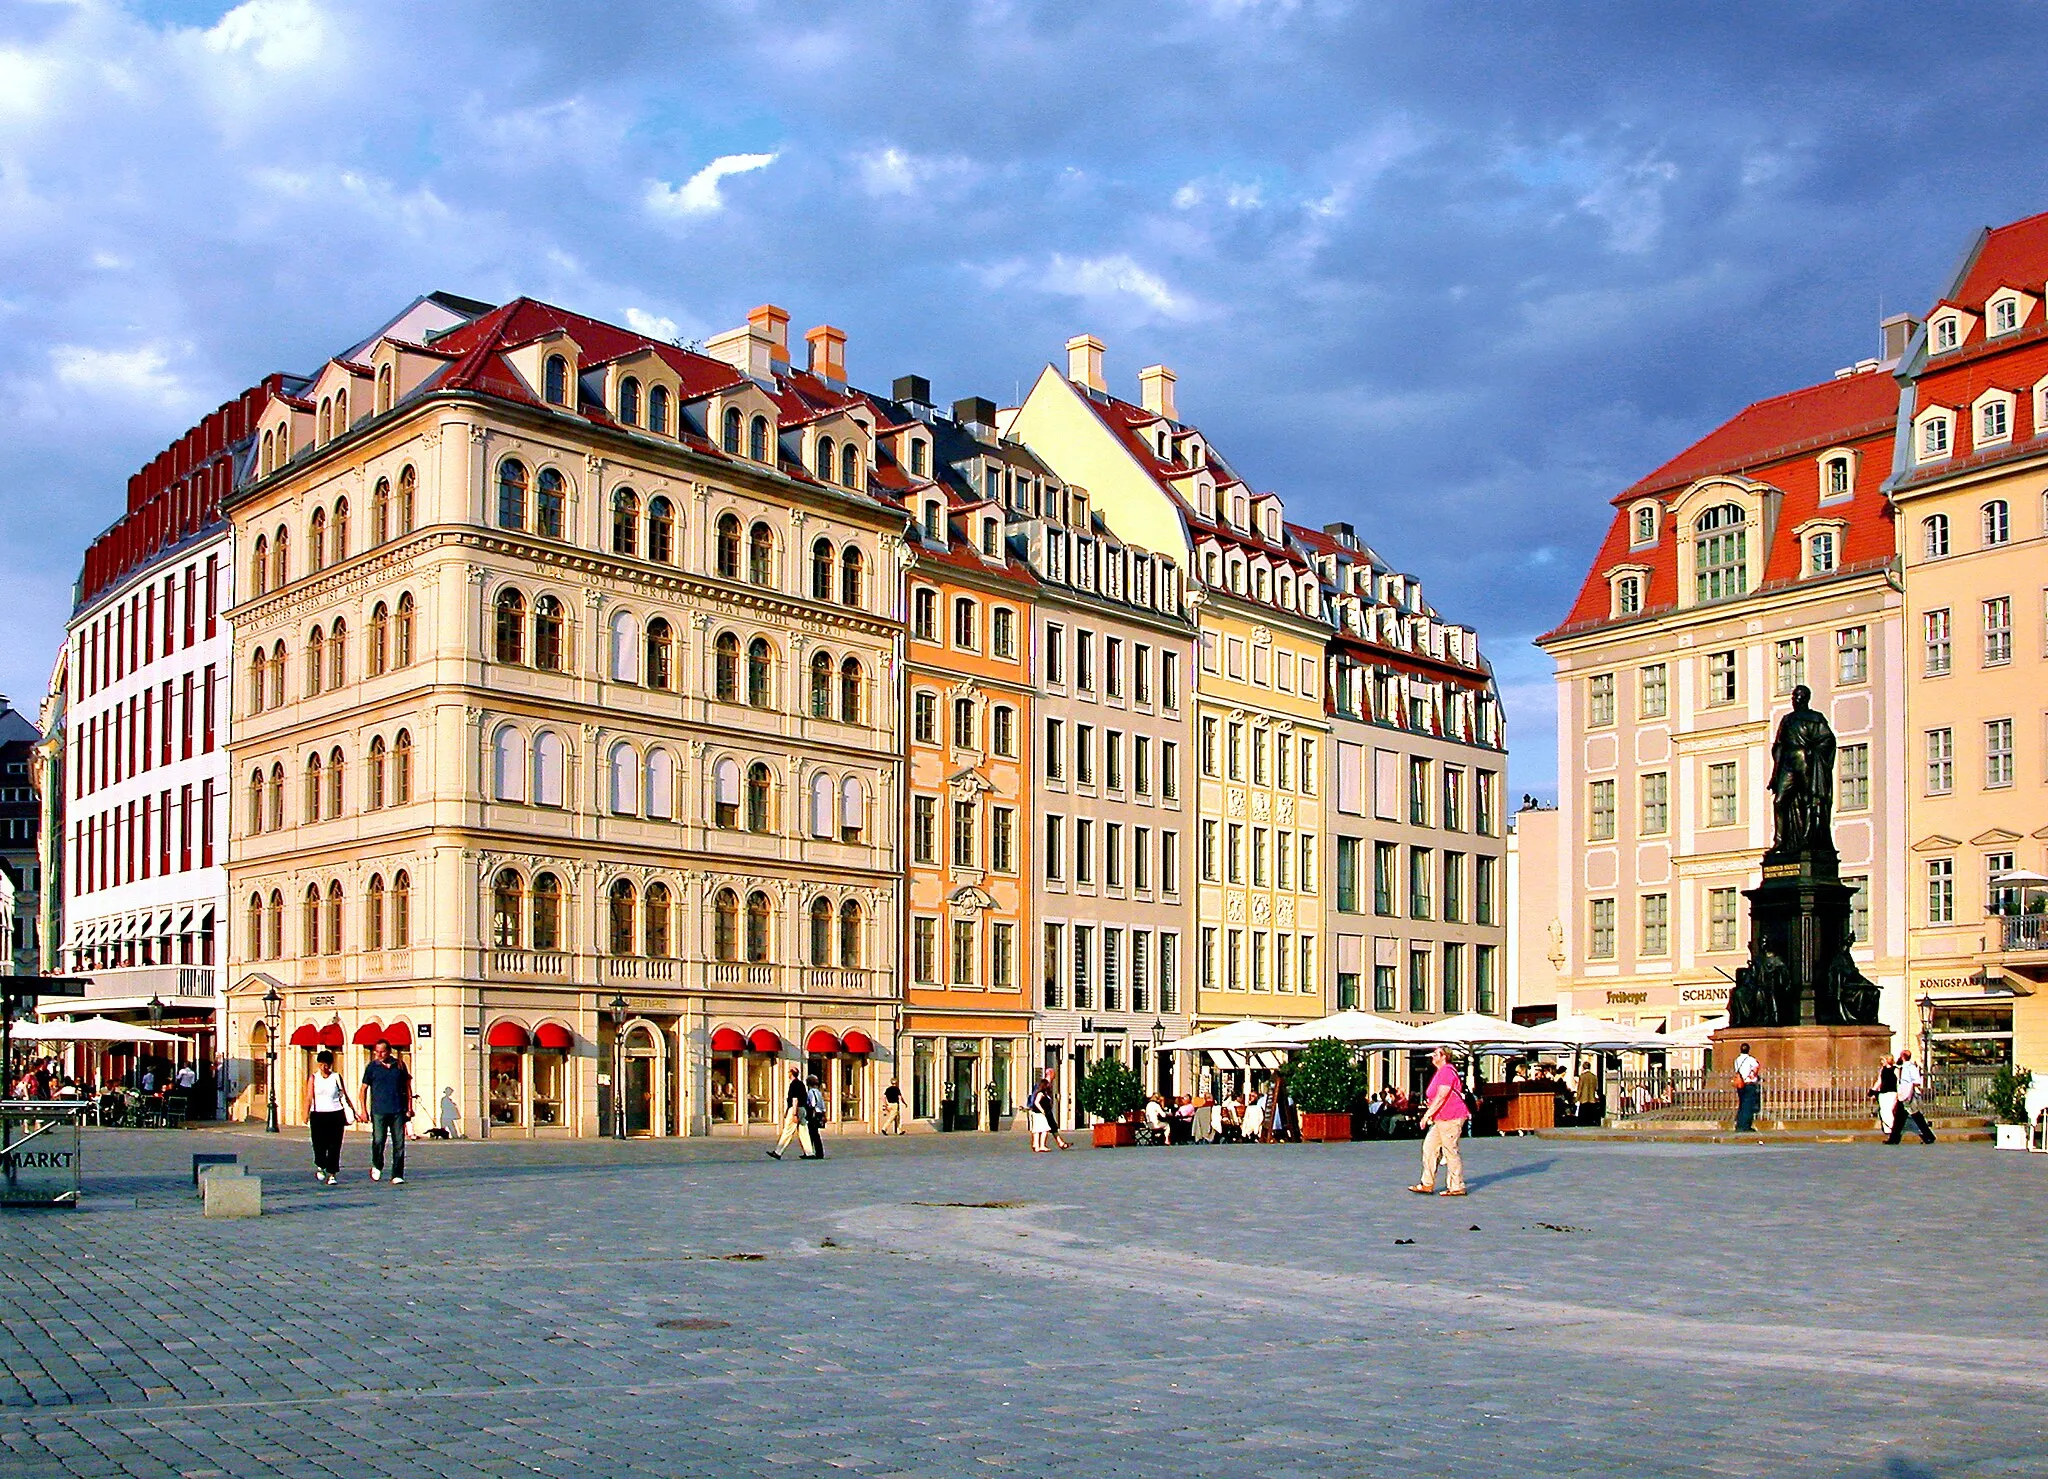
(1783, 1051)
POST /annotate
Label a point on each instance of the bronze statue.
(1803, 781)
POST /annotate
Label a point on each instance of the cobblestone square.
(949, 1305)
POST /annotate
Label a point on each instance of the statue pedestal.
(1849, 1055)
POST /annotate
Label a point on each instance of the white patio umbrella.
(90, 1029)
(1594, 1034)
(1477, 1032)
(2019, 878)
(1231, 1037)
(1360, 1029)
(1699, 1035)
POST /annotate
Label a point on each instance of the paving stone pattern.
(953, 1305)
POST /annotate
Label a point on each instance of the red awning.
(553, 1035)
(857, 1042)
(306, 1035)
(331, 1036)
(822, 1040)
(507, 1035)
(764, 1040)
(728, 1040)
(367, 1034)
(398, 1035)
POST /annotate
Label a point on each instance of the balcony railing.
(529, 963)
(639, 968)
(2024, 932)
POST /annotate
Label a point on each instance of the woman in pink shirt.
(1443, 1123)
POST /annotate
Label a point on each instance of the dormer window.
(629, 401)
(1994, 421)
(734, 422)
(988, 537)
(657, 410)
(2005, 315)
(917, 457)
(1720, 553)
(1643, 528)
(1240, 517)
(555, 380)
(1273, 525)
(1820, 553)
(1934, 436)
(1836, 480)
(1947, 333)
(933, 522)
(1628, 595)
(757, 439)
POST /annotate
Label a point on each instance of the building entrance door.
(966, 1088)
(642, 1071)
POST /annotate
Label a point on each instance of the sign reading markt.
(1801, 972)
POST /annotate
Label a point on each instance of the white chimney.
(1155, 391)
(1084, 361)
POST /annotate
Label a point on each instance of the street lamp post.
(618, 1010)
(1159, 1080)
(273, 1006)
(1926, 1005)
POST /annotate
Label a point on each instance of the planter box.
(1108, 1136)
(2012, 1137)
(1325, 1126)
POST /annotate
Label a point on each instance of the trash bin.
(945, 1114)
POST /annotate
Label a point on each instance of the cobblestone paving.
(954, 1305)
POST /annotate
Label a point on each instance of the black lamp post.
(273, 1006)
(1926, 1035)
(618, 1010)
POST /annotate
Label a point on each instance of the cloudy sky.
(1454, 273)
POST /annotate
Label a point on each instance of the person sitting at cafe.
(1155, 1117)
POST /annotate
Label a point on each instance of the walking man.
(1749, 1093)
(814, 1116)
(1443, 1122)
(892, 1109)
(1886, 1093)
(1908, 1108)
(388, 1087)
(796, 1109)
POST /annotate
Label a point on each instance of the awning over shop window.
(764, 1040)
(331, 1036)
(858, 1043)
(728, 1040)
(398, 1035)
(367, 1034)
(306, 1036)
(822, 1040)
(554, 1036)
(507, 1035)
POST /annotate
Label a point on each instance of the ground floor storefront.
(557, 1061)
(964, 1071)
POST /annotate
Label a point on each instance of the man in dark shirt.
(388, 1087)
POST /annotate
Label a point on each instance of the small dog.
(437, 1133)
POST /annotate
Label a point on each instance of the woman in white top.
(1255, 1118)
(328, 1111)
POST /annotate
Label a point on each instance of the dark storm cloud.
(1454, 273)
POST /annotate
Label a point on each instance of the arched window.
(849, 691)
(401, 768)
(963, 723)
(548, 500)
(373, 788)
(725, 794)
(259, 567)
(380, 633)
(312, 808)
(337, 776)
(1997, 522)
(821, 570)
(259, 670)
(316, 540)
(757, 439)
(657, 410)
(821, 931)
(821, 685)
(408, 488)
(326, 432)
(1002, 638)
(1934, 536)
(825, 464)
(269, 463)
(725, 926)
(401, 910)
(373, 913)
(1720, 553)
(760, 795)
(623, 907)
(255, 926)
(309, 922)
(661, 785)
(277, 796)
(508, 764)
(625, 643)
(661, 531)
(402, 649)
(337, 654)
(726, 667)
(547, 912)
(384, 388)
(759, 919)
(511, 494)
(732, 429)
(661, 650)
(547, 634)
(340, 412)
(760, 673)
(850, 576)
(316, 660)
(277, 675)
(1628, 595)
(624, 769)
(629, 401)
(823, 798)
(849, 935)
(276, 930)
(849, 465)
(549, 764)
(340, 530)
(658, 905)
(853, 809)
(760, 555)
(281, 558)
(507, 910)
(728, 552)
(625, 522)
(555, 380)
(255, 801)
(511, 626)
(334, 909)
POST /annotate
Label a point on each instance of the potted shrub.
(1111, 1092)
(2007, 1100)
(1324, 1084)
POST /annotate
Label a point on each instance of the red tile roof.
(1817, 417)
(2007, 256)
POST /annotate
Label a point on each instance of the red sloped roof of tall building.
(1817, 416)
(2015, 255)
